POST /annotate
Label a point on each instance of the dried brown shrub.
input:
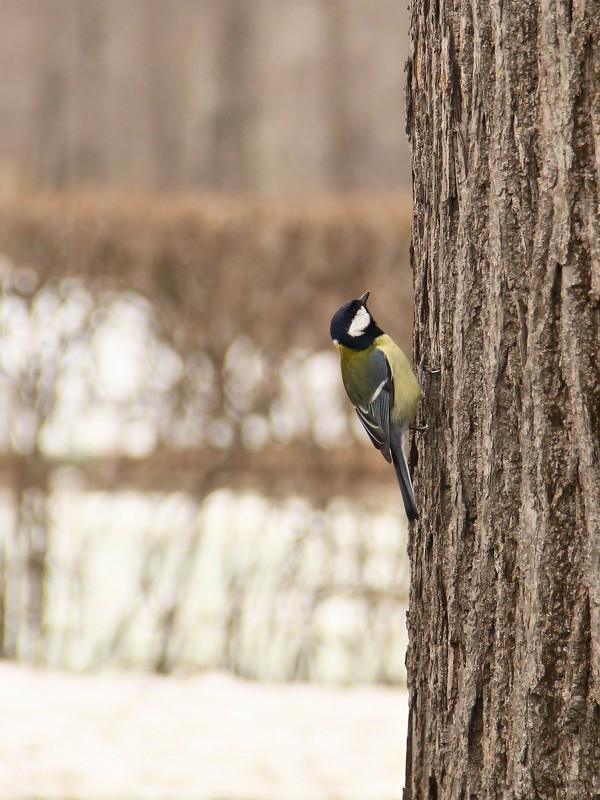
(219, 266)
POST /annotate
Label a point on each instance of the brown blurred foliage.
(212, 270)
(274, 270)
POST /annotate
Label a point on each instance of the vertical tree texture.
(503, 113)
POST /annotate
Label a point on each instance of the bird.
(381, 385)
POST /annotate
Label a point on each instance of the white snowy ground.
(204, 737)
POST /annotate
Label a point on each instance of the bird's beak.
(363, 298)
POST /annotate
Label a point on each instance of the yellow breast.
(407, 392)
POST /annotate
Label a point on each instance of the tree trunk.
(503, 113)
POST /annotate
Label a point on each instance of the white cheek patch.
(360, 323)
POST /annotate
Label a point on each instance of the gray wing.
(375, 413)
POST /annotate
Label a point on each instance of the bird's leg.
(424, 368)
(430, 371)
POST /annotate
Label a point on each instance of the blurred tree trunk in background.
(503, 113)
(266, 97)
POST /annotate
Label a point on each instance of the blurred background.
(188, 190)
(269, 97)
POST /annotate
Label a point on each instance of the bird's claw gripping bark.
(424, 368)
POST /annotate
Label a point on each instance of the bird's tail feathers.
(403, 475)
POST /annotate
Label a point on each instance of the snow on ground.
(202, 737)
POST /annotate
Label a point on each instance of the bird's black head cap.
(353, 326)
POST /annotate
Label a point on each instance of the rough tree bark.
(503, 113)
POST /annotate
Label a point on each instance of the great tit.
(381, 385)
